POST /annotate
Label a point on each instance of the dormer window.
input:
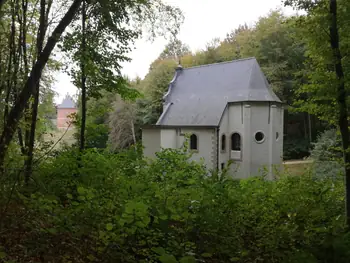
(193, 142)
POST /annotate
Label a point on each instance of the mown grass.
(297, 167)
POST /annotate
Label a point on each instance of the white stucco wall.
(231, 122)
(260, 152)
(247, 119)
(155, 139)
(168, 138)
(151, 142)
(206, 145)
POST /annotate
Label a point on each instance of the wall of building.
(151, 142)
(62, 117)
(207, 145)
(260, 151)
(247, 119)
(155, 139)
(168, 138)
(231, 122)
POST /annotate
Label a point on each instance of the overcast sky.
(204, 20)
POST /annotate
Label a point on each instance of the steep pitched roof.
(67, 103)
(197, 96)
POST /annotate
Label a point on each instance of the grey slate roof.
(67, 103)
(197, 96)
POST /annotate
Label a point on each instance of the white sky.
(204, 20)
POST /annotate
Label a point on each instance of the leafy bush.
(327, 154)
(102, 207)
(296, 148)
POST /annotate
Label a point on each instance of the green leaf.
(188, 259)
(52, 230)
(159, 250)
(166, 258)
(2, 254)
(109, 226)
(81, 190)
(91, 257)
(207, 255)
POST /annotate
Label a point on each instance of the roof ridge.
(220, 63)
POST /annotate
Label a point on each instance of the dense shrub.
(120, 208)
(296, 148)
(327, 154)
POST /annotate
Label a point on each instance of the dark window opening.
(223, 142)
(259, 136)
(222, 166)
(235, 142)
(193, 142)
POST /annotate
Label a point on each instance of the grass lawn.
(298, 167)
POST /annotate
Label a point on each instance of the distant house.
(64, 110)
(230, 113)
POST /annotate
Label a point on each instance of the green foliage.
(122, 208)
(296, 148)
(317, 89)
(97, 129)
(273, 40)
(327, 154)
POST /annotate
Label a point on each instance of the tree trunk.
(83, 79)
(310, 127)
(35, 104)
(133, 131)
(11, 60)
(341, 99)
(30, 85)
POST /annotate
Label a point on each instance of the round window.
(259, 137)
(277, 136)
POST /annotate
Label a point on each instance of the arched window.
(223, 142)
(193, 142)
(235, 142)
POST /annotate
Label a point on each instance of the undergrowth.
(103, 207)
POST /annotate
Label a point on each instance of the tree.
(175, 49)
(102, 63)
(324, 33)
(122, 124)
(105, 44)
(31, 83)
(43, 25)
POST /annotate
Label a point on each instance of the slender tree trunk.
(83, 79)
(35, 104)
(35, 75)
(305, 125)
(10, 65)
(133, 131)
(310, 127)
(341, 99)
(26, 70)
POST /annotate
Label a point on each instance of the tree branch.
(30, 85)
